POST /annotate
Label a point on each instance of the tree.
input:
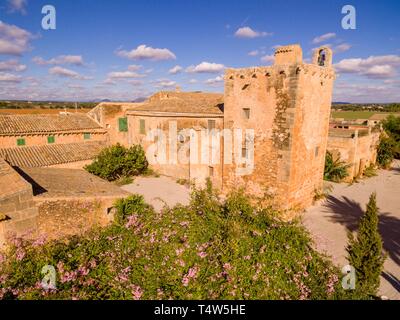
(365, 252)
(385, 151)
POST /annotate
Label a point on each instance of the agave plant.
(335, 169)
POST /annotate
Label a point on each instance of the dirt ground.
(331, 219)
(160, 191)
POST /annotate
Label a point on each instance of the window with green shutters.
(123, 124)
(142, 128)
(21, 142)
(86, 136)
(51, 139)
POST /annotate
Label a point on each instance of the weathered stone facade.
(286, 106)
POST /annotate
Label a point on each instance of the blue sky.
(123, 50)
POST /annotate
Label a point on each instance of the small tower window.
(246, 113)
(210, 172)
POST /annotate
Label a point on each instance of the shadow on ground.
(392, 280)
(36, 188)
(348, 212)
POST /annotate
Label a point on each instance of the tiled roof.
(49, 123)
(47, 155)
(183, 102)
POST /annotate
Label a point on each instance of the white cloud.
(144, 52)
(371, 67)
(67, 73)
(268, 58)
(215, 80)
(324, 37)
(206, 67)
(124, 75)
(341, 48)
(254, 53)
(192, 81)
(17, 6)
(366, 92)
(8, 77)
(64, 59)
(247, 32)
(12, 65)
(175, 70)
(134, 67)
(13, 40)
(165, 83)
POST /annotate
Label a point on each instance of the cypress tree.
(365, 251)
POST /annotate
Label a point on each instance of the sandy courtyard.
(330, 220)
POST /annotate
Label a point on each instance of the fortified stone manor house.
(287, 105)
(272, 125)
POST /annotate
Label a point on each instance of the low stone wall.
(59, 218)
(18, 213)
(358, 149)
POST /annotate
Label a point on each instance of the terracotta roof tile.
(47, 155)
(49, 123)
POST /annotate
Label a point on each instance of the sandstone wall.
(58, 218)
(18, 214)
(356, 148)
(189, 168)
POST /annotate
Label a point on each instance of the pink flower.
(20, 254)
(137, 292)
(192, 274)
(39, 241)
(132, 221)
(202, 254)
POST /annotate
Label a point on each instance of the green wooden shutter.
(86, 136)
(51, 139)
(21, 142)
(123, 124)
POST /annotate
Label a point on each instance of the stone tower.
(288, 106)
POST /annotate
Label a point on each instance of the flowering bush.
(207, 250)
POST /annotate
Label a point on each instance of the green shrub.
(370, 171)
(365, 251)
(392, 129)
(208, 250)
(385, 152)
(335, 169)
(134, 204)
(117, 161)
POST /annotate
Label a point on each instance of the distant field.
(38, 111)
(350, 115)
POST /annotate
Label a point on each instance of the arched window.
(321, 57)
